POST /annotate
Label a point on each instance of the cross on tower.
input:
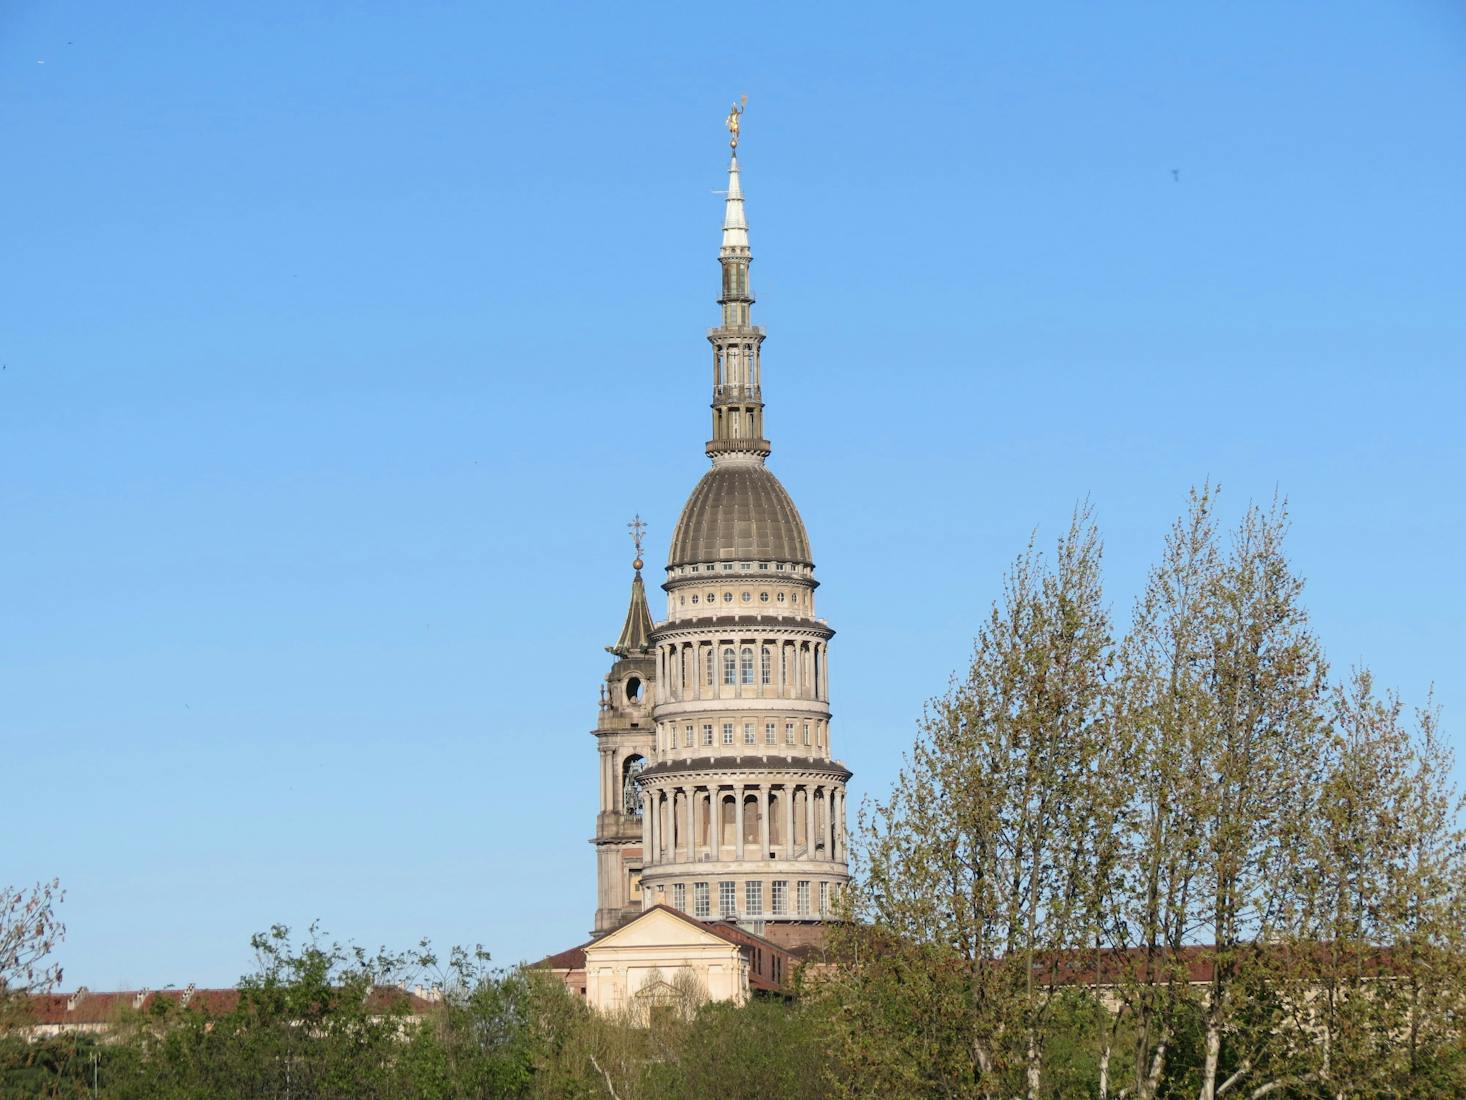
(637, 529)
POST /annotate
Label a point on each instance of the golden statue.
(734, 122)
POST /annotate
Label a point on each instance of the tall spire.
(738, 408)
(638, 627)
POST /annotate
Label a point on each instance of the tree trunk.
(1152, 1081)
(1213, 1048)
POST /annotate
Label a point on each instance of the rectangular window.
(749, 737)
(765, 666)
(801, 898)
(727, 899)
(824, 899)
(770, 733)
(707, 733)
(727, 733)
(700, 899)
(754, 896)
(679, 897)
(819, 733)
(806, 733)
(781, 897)
(789, 733)
(763, 566)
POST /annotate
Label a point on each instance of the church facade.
(720, 795)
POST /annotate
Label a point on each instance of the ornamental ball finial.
(637, 564)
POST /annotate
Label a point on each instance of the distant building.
(86, 1012)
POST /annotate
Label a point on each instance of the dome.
(739, 512)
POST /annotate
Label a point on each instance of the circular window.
(794, 598)
(781, 597)
(681, 599)
(633, 689)
(763, 597)
(727, 597)
(747, 596)
(694, 597)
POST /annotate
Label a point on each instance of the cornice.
(741, 766)
(722, 624)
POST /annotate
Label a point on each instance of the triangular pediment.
(656, 927)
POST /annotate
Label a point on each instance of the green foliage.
(1077, 805)
(319, 1021)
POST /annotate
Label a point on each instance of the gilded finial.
(637, 529)
(734, 122)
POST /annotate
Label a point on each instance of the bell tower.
(625, 739)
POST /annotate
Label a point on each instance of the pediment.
(657, 927)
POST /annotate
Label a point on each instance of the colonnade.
(688, 822)
(781, 668)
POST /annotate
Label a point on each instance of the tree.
(1189, 865)
(29, 932)
(1162, 717)
(1267, 679)
(978, 871)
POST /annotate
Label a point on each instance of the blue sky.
(341, 341)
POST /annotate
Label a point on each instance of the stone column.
(650, 808)
(689, 796)
(708, 797)
(830, 823)
(646, 830)
(788, 799)
(809, 821)
(738, 822)
(763, 821)
(606, 803)
(837, 820)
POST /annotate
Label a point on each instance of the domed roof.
(739, 512)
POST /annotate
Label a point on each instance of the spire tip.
(734, 122)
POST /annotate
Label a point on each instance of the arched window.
(730, 671)
(746, 665)
(708, 666)
(630, 792)
(765, 666)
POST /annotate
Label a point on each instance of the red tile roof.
(572, 958)
(103, 1007)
